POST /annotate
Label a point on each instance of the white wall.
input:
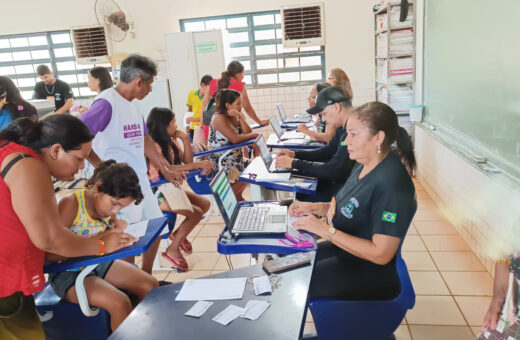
(349, 26)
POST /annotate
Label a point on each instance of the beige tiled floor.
(453, 288)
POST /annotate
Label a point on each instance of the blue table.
(225, 148)
(159, 316)
(153, 231)
(293, 144)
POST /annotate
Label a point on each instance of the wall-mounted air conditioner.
(90, 45)
(303, 25)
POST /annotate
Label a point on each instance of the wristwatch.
(330, 232)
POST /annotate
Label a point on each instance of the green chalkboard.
(471, 85)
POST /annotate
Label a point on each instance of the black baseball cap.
(328, 96)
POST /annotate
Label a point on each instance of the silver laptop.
(287, 120)
(269, 160)
(284, 135)
(272, 219)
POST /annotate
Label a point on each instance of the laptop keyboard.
(251, 219)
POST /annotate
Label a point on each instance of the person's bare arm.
(94, 159)
(204, 105)
(187, 153)
(171, 173)
(500, 286)
(249, 108)
(321, 137)
(30, 184)
(68, 104)
(221, 124)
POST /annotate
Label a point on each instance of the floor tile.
(428, 283)
(238, 261)
(211, 229)
(469, 283)
(428, 215)
(418, 260)
(426, 203)
(205, 244)
(474, 308)
(402, 333)
(193, 234)
(309, 328)
(214, 220)
(160, 275)
(421, 332)
(445, 243)
(202, 261)
(435, 228)
(412, 230)
(192, 274)
(413, 243)
(457, 261)
(435, 310)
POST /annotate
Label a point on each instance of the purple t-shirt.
(98, 116)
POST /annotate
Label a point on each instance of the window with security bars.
(21, 54)
(255, 39)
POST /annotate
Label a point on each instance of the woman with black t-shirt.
(368, 218)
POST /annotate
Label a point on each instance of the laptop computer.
(287, 120)
(284, 135)
(272, 219)
(269, 160)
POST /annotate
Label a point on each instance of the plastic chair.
(366, 320)
(63, 320)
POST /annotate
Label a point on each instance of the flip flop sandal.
(180, 264)
(186, 247)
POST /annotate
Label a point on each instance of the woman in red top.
(30, 153)
(231, 79)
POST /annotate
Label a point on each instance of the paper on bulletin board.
(208, 46)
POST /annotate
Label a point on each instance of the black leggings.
(341, 276)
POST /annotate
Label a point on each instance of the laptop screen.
(281, 110)
(221, 187)
(264, 151)
(276, 127)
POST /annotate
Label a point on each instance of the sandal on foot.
(180, 264)
(186, 247)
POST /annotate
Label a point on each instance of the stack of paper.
(401, 41)
(381, 45)
(401, 69)
(395, 12)
(401, 97)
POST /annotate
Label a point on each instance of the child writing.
(163, 129)
(88, 212)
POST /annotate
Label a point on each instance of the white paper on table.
(229, 314)
(137, 229)
(273, 177)
(198, 309)
(254, 309)
(262, 285)
(212, 289)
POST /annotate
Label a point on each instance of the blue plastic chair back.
(366, 320)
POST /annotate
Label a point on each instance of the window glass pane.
(63, 52)
(266, 19)
(247, 64)
(281, 49)
(267, 78)
(265, 64)
(237, 37)
(289, 77)
(87, 66)
(265, 35)
(85, 91)
(311, 75)
(38, 41)
(36, 66)
(4, 43)
(69, 78)
(25, 55)
(6, 70)
(19, 42)
(265, 49)
(292, 62)
(280, 63)
(21, 69)
(215, 24)
(66, 66)
(82, 78)
(26, 82)
(194, 26)
(279, 33)
(310, 61)
(75, 91)
(61, 38)
(310, 48)
(26, 94)
(6, 57)
(239, 52)
(247, 80)
(237, 22)
(278, 18)
(40, 54)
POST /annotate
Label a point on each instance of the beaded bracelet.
(504, 261)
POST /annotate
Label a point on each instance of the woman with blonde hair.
(338, 77)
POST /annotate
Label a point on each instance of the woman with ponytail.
(31, 152)
(12, 105)
(231, 79)
(368, 218)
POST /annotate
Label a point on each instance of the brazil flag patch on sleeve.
(388, 217)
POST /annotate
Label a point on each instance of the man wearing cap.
(331, 163)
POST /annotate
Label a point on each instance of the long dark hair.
(377, 117)
(66, 130)
(16, 105)
(157, 124)
(223, 97)
(233, 69)
(118, 180)
(102, 74)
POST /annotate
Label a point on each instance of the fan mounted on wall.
(117, 23)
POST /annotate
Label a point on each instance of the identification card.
(332, 211)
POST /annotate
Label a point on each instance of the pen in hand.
(105, 223)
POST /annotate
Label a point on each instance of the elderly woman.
(368, 218)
